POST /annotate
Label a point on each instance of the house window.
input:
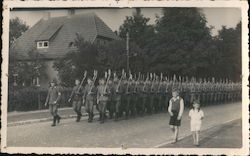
(42, 44)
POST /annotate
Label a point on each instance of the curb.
(43, 120)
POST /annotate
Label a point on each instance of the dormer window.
(42, 44)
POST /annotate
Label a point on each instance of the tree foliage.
(140, 32)
(17, 27)
(24, 70)
(179, 43)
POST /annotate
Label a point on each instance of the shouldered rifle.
(136, 82)
(119, 83)
(109, 74)
(144, 84)
(154, 78)
(78, 89)
(94, 79)
(83, 79)
(160, 83)
(128, 83)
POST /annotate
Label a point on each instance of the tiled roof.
(61, 31)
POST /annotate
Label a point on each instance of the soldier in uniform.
(76, 96)
(110, 102)
(144, 95)
(117, 91)
(52, 99)
(192, 90)
(129, 94)
(89, 97)
(102, 98)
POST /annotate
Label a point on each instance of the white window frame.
(43, 42)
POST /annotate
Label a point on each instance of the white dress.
(195, 116)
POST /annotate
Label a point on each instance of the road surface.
(148, 131)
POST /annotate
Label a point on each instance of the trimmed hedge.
(33, 98)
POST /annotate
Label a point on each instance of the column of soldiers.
(127, 96)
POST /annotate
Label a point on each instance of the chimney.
(46, 16)
(71, 12)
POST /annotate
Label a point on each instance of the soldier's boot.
(90, 117)
(102, 118)
(99, 119)
(58, 118)
(54, 122)
(77, 118)
(116, 116)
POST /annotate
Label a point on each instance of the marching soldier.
(76, 96)
(52, 99)
(117, 91)
(102, 97)
(128, 93)
(110, 102)
(144, 95)
(89, 97)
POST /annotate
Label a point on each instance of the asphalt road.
(147, 131)
(227, 135)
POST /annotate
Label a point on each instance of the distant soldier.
(110, 102)
(76, 98)
(52, 99)
(144, 95)
(102, 97)
(89, 97)
(117, 92)
(129, 94)
(192, 91)
(140, 102)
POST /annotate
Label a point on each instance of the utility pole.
(127, 48)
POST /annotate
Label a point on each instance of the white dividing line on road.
(186, 135)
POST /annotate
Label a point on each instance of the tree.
(138, 28)
(76, 62)
(17, 28)
(228, 43)
(181, 42)
(101, 57)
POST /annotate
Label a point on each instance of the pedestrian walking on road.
(196, 115)
(52, 99)
(175, 109)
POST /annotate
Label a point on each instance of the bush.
(33, 98)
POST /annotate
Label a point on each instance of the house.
(52, 38)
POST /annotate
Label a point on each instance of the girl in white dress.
(196, 115)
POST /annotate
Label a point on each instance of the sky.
(114, 17)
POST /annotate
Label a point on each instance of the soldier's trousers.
(102, 108)
(89, 106)
(166, 102)
(77, 105)
(192, 97)
(117, 103)
(111, 108)
(129, 105)
(53, 108)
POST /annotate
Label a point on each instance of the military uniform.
(102, 98)
(52, 99)
(110, 102)
(117, 93)
(76, 97)
(89, 96)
